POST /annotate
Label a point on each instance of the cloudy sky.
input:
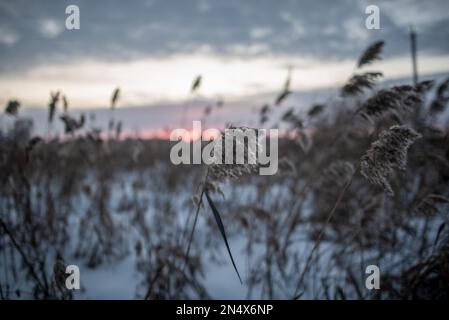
(153, 49)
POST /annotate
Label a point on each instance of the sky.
(153, 49)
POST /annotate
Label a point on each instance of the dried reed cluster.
(218, 172)
(396, 100)
(388, 152)
(441, 98)
(359, 82)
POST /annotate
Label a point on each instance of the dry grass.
(337, 205)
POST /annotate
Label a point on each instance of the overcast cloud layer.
(154, 48)
(125, 29)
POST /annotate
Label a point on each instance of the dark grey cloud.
(32, 32)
